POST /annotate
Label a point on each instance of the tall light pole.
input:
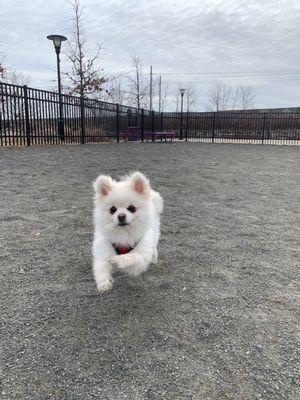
(57, 40)
(181, 113)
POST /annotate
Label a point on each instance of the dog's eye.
(113, 210)
(132, 209)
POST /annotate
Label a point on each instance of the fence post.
(213, 128)
(82, 121)
(186, 126)
(142, 124)
(60, 122)
(117, 123)
(152, 124)
(27, 121)
(263, 128)
(181, 123)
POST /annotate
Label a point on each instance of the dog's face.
(124, 205)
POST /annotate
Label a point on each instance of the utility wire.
(245, 78)
(232, 73)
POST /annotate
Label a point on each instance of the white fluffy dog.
(127, 227)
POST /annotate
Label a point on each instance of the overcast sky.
(243, 42)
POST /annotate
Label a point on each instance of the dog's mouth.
(123, 223)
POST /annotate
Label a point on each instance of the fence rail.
(31, 116)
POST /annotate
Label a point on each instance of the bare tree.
(138, 85)
(247, 97)
(17, 78)
(10, 75)
(116, 94)
(218, 97)
(222, 97)
(177, 98)
(2, 61)
(164, 98)
(235, 98)
(225, 96)
(2, 68)
(190, 98)
(85, 77)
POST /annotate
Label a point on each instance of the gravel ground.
(217, 318)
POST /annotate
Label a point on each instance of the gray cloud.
(183, 36)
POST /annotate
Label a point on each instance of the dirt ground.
(217, 318)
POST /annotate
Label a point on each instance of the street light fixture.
(182, 91)
(57, 41)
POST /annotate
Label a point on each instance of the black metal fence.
(236, 127)
(36, 117)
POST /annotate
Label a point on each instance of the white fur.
(141, 233)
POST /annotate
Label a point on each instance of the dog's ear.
(140, 183)
(103, 185)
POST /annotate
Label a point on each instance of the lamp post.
(182, 91)
(57, 40)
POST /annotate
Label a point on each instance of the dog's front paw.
(103, 285)
(121, 261)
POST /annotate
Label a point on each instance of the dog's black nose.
(122, 217)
